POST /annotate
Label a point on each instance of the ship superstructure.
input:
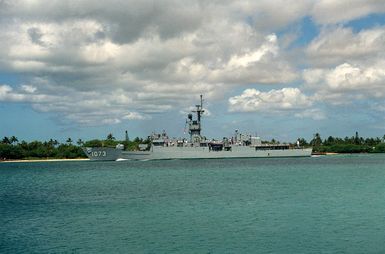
(194, 126)
(197, 146)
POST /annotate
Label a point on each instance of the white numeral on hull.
(99, 154)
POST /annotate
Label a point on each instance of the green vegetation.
(37, 149)
(12, 149)
(354, 144)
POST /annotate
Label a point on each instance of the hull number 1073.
(98, 154)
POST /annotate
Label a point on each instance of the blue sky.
(283, 70)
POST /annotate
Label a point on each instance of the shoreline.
(325, 153)
(44, 160)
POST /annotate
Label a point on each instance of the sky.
(278, 69)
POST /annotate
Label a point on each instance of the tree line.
(353, 144)
(12, 149)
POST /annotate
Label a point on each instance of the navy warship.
(197, 146)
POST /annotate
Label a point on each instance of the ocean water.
(330, 204)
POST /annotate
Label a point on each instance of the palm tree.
(6, 141)
(51, 142)
(80, 142)
(13, 139)
(317, 139)
(110, 137)
(69, 141)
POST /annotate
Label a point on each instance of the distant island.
(13, 149)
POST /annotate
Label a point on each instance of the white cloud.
(28, 88)
(97, 53)
(143, 61)
(263, 64)
(85, 108)
(347, 77)
(313, 113)
(264, 14)
(250, 58)
(134, 116)
(7, 93)
(347, 82)
(347, 66)
(332, 12)
(339, 44)
(274, 101)
(4, 91)
(124, 60)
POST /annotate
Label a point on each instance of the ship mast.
(200, 110)
(195, 125)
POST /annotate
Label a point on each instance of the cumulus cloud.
(263, 13)
(28, 88)
(143, 56)
(261, 65)
(134, 116)
(4, 91)
(313, 113)
(87, 108)
(332, 12)
(273, 101)
(8, 94)
(346, 82)
(127, 20)
(347, 65)
(337, 44)
(125, 60)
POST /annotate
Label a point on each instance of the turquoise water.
(333, 204)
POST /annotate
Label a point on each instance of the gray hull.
(165, 153)
(102, 153)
